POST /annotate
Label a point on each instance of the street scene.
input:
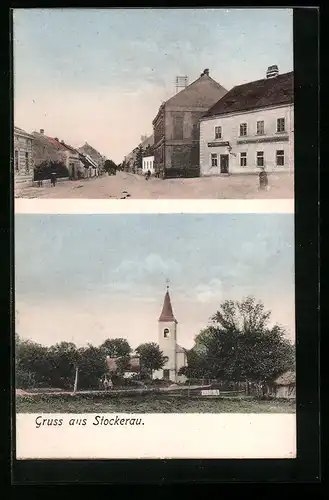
(183, 122)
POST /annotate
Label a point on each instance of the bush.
(43, 171)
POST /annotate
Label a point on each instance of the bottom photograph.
(161, 335)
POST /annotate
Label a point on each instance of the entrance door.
(166, 374)
(224, 164)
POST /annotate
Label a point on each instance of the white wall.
(231, 132)
(148, 164)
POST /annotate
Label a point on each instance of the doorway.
(224, 164)
(166, 374)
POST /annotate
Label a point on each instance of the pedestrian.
(53, 179)
(263, 179)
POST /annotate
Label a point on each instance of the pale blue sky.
(99, 75)
(111, 269)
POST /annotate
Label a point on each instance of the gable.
(202, 93)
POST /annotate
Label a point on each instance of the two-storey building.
(176, 128)
(251, 127)
(23, 161)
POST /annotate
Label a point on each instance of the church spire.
(167, 312)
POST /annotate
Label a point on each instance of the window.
(166, 333)
(218, 132)
(280, 158)
(243, 129)
(16, 160)
(243, 159)
(260, 158)
(214, 160)
(280, 125)
(260, 128)
(27, 162)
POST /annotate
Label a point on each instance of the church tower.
(167, 330)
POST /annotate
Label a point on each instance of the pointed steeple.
(167, 312)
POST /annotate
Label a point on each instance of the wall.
(148, 164)
(22, 145)
(230, 132)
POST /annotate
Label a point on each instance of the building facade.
(176, 128)
(23, 159)
(167, 339)
(250, 128)
(130, 159)
(94, 155)
(148, 164)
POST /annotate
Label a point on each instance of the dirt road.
(125, 185)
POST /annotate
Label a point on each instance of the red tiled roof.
(259, 94)
(167, 312)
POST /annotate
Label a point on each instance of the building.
(285, 385)
(148, 164)
(251, 127)
(95, 155)
(23, 160)
(167, 335)
(176, 127)
(130, 159)
(51, 151)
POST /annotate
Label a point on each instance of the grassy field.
(149, 404)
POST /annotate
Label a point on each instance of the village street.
(135, 186)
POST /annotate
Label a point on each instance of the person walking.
(263, 179)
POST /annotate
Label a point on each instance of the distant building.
(285, 385)
(176, 127)
(95, 155)
(148, 162)
(130, 158)
(167, 335)
(23, 160)
(251, 127)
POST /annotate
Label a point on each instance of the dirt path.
(126, 186)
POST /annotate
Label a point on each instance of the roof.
(203, 92)
(21, 131)
(54, 142)
(167, 312)
(149, 141)
(287, 378)
(258, 94)
(180, 349)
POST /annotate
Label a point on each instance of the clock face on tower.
(166, 333)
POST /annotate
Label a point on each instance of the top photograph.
(153, 103)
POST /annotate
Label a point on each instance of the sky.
(85, 278)
(100, 75)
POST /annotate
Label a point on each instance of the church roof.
(167, 312)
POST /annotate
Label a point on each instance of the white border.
(230, 435)
(87, 206)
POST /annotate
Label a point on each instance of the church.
(167, 340)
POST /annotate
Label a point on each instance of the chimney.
(206, 72)
(56, 139)
(272, 71)
(42, 131)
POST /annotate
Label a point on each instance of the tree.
(64, 358)
(239, 345)
(92, 366)
(138, 163)
(33, 366)
(151, 358)
(109, 166)
(115, 348)
(149, 151)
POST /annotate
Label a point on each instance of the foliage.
(116, 348)
(151, 358)
(148, 151)
(240, 345)
(46, 168)
(110, 166)
(138, 163)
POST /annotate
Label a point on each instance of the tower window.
(166, 333)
